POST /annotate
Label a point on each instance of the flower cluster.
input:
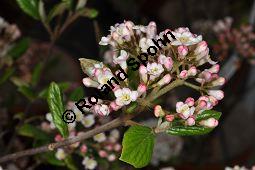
(106, 146)
(180, 59)
(8, 34)
(239, 39)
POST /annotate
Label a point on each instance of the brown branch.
(50, 147)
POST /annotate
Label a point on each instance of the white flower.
(185, 37)
(145, 43)
(102, 109)
(89, 163)
(125, 96)
(111, 157)
(99, 137)
(104, 76)
(121, 60)
(114, 135)
(60, 154)
(50, 119)
(88, 121)
(154, 70)
(184, 110)
(104, 41)
(78, 114)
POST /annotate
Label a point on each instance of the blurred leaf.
(70, 163)
(56, 10)
(63, 86)
(132, 108)
(88, 12)
(77, 94)
(27, 92)
(81, 4)
(188, 130)
(69, 3)
(41, 11)
(32, 132)
(19, 48)
(208, 114)
(138, 143)
(36, 74)
(18, 81)
(7, 73)
(57, 109)
(51, 159)
(30, 7)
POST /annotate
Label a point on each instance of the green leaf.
(208, 114)
(32, 132)
(57, 109)
(88, 12)
(36, 74)
(7, 73)
(41, 11)
(137, 145)
(30, 7)
(69, 3)
(81, 4)
(19, 48)
(63, 86)
(56, 10)
(77, 94)
(132, 107)
(188, 130)
(70, 163)
(27, 92)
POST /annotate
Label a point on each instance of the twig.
(50, 147)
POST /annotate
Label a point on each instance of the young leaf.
(208, 114)
(188, 131)
(41, 11)
(137, 145)
(81, 4)
(19, 48)
(57, 109)
(56, 10)
(77, 94)
(36, 74)
(33, 132)
(7, 73)
(30, 7)
(27, 92)
(88, 12)
(70, 163)
(51, 159)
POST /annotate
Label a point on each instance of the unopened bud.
(218, 94)
(158, 111)
(190, 101)
(88, 82)
(143, 73)
(210, 123)
(190, 121)
(182, 50)
(83, 148)
(192, 71)
(219, 82)
(102, 154)
(215, 68)
(165, 80)
(141, 89)
(183, 74)
(169, 118)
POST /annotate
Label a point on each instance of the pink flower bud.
(109, 147)
(102, 109)
(190, 101)
(213, 100)
(166, 61)
(190, 121)
(182, 50)
(158, 111)
(114, 106)
(58, 138)
(165, 80)
(88, 82)
(151, 30)
(215, 68)
(102, 154)
(117, 147)
(141, 89)
(192, 71)
(210, 123)
(143, 73)
(218, 94)
(83, 148)
(219, 82)
(169, 118)
(183, 74)
(202, 104)
(207, 76)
